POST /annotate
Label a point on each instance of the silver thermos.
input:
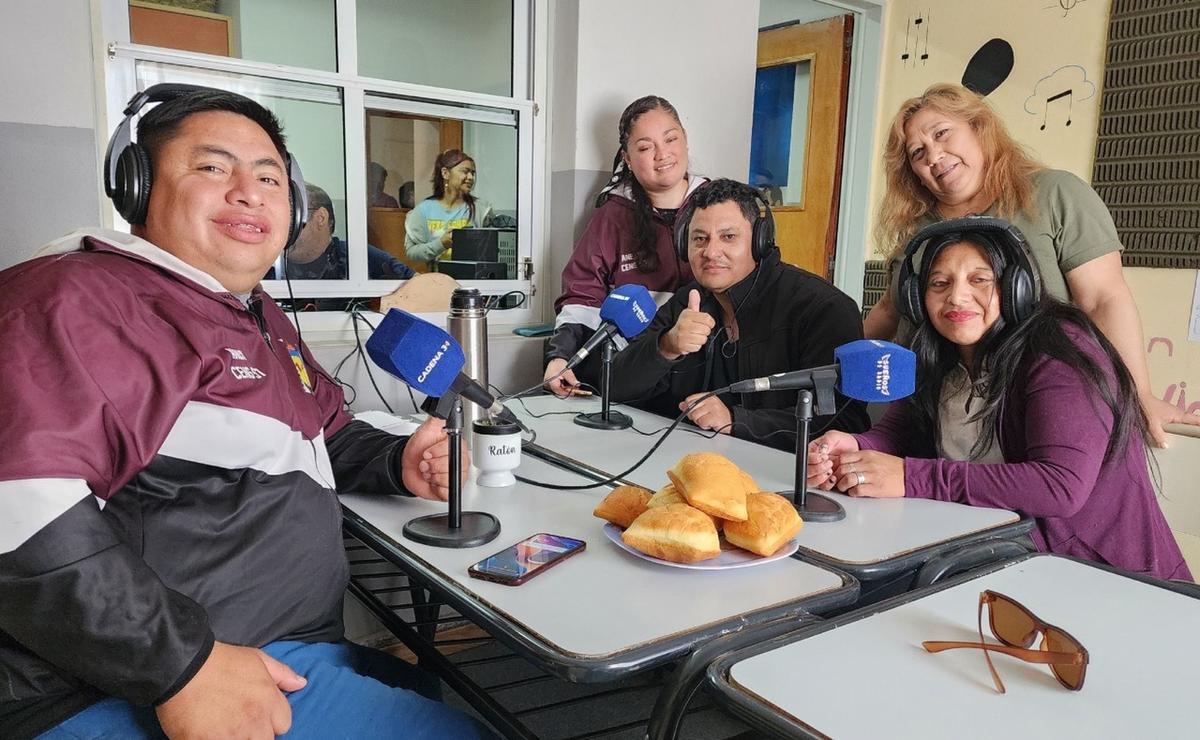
(467, 323)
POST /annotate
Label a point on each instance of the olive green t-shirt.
(1070, 226)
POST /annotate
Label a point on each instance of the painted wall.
(699, 54)
(928, 41)
(1055, 50)
(49, 159)
(772, 12)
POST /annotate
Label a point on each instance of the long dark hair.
(1005, 353)
(450, 159)
(645, 242)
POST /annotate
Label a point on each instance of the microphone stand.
(812, 507)
(605, 418)
(456, 528)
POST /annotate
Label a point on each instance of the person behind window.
(408, 194)
(171, 559)
(429, 228)
(1025, 406)
(629, 238)
(376, 181)
(319, 255)
(747, 314)
(948, 155)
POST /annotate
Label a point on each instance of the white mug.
(496, 452)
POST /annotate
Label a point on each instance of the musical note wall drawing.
(1066, 6)
(916, 40)
(989, 67)
(1161, 340)
(1180, 403)
(1062, 87)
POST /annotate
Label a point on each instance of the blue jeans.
(352, 692)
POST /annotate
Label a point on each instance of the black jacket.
(789, 319)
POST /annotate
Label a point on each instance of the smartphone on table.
(532, 555)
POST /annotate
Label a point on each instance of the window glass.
(460, 219)
(456, 44)
(298, 33)
(779, 134)
(311, 116)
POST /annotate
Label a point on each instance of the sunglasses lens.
(1011, 624)
(1070, 675)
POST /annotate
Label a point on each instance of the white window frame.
(528, 87)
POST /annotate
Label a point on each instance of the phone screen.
(526, 558)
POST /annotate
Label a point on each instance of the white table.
(878, 537)
(604, 613)
(867, 676)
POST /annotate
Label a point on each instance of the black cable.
(499, 299)
(349, 392)
(292, 300)
(362, 353)
(636, 465)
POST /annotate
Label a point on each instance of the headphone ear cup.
(299, 214)
(297, 199)
(1017, 294)
(908, 297)
(132, 192)
(757, 248)
(762, 236)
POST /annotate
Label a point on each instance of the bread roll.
(623, 505)
(751, 484)
(668, 494)
(771, 521)
(675, 532)
(712, 484)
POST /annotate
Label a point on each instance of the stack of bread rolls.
(707, 494)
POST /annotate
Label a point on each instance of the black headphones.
(1020, 283)
(128, 172)
(762, 234)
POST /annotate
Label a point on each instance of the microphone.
(866, 370)
(626, 311)
(428, 359)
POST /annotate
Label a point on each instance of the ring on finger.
(862, 478)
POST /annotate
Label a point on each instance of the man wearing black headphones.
(171, 557)
(746, 315)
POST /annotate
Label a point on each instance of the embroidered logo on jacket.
(301, 370)
(243, 372)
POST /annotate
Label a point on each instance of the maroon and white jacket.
(603, 260)
(168, 468)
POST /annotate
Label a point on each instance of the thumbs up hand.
(690, 332)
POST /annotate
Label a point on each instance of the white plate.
(730, 557)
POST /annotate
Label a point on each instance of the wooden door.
(805, 184)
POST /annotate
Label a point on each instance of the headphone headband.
(1020, 282)
(762, 232)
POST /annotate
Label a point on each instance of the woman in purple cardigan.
(1021, 403)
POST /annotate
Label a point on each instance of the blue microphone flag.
(630, 307)
(876, 371)
(422, 355)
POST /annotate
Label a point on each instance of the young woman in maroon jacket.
(629, 239)
(1021, 404)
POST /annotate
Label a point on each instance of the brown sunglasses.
(1016, 627)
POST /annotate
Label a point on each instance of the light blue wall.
(298, 33)
(494, 148)
(49, 170)
(460, 44)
